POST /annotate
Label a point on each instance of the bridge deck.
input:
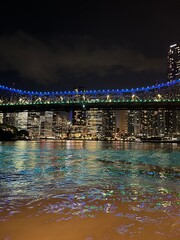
(149, 105)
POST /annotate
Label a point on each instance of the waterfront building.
(45, 124)
(150, 123)
(51, 124)
(171, 123)
(78, 129)
(146, 123)
(122, 122)
(1, 118)
(134, 123)
(158, 125)
(21, 119)
(109, 123)
(78, 117)
(131, 116)
(33, 124)
(9, 118)
(61, 124)
(177, 127)
(95, 123)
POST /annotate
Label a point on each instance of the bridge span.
(159, 96)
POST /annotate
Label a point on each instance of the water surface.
(89, 190)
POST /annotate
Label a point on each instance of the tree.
(23, 134)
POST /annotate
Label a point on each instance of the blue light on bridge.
(153, 87)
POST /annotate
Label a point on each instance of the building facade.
(173, 61)
(122, 123)
(94, 123)
(172, 118)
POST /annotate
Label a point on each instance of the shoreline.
(97, 140)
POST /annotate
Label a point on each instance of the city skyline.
(115, 45)
(94, 122)
(89, 119)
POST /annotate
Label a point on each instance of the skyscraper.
(174, 62)
(1, 118)
(33, 124)
(9, 118)
(173, 59)
(95, 123)
(21, 120)
(109, 123)
(122, 122)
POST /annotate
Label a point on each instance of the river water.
(89, 190)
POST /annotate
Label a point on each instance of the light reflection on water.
(81, 178)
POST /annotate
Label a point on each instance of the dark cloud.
(68, 58)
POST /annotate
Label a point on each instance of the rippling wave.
(66, 180)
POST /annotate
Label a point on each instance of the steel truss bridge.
(159, 96)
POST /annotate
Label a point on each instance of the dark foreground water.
(89, 190)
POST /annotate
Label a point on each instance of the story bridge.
(160, 96)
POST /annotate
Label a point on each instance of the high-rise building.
(45, 124)
(174, 62)
(1, 118)
(78, 118)
(149, 123)
(134, 122)
(61, 124)
(172, 117)
(78, 123)
(21, 119)
(95, 123)
(109, 123)
(33, 124)
(9, 118)
(122, 123)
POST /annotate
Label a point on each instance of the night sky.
(114, 44)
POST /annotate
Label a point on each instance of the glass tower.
(173, 62)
